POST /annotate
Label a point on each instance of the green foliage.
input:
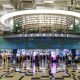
(16, 27)
(77, 28)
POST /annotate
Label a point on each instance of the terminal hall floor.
(53, 71)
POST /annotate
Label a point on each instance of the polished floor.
(53, 71)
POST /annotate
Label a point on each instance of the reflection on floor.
(43, 72)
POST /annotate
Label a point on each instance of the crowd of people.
(44, 60)
(38, 58)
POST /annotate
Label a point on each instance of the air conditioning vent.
(77, 8)
(27, 1)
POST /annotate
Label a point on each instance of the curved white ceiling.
(6, 19)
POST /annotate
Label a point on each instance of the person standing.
(37, 61)
(4, 58)
(0, 59)
(70, 59)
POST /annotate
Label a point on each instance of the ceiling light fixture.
(6, 20)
